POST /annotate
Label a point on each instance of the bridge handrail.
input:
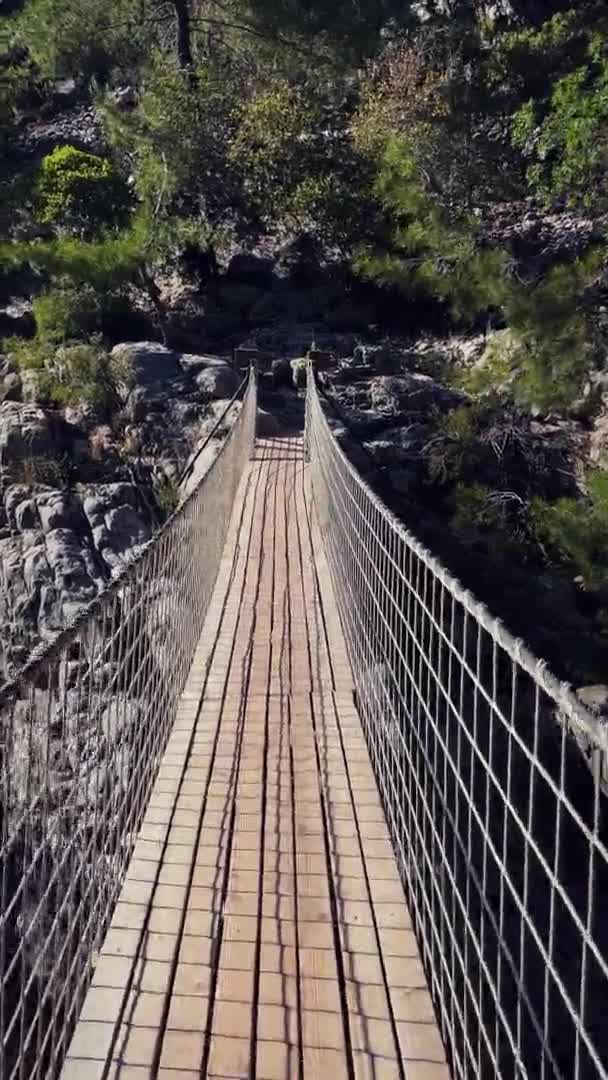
(83, 729)
(490, 770)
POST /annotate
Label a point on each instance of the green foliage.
(84, 36)
(472, 507)
(353, 29)
(423, 253)
(81, 191)
(176, 140)
(167, 495)
(434, 94)
(575, 532)
(544, 358)
(110, 261)
(561, 123)
(270, 139)
(70, 373)
(556, 350)
(453, 448)
(103, 263)
(82, 372)
(501, 517)
(74, 312)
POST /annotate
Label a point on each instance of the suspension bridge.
(286, 801)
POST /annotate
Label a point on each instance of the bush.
(269, 146)
(84, 36)
(560, 126)
(81, 191)
(454, 448)
(82, 373)
(574, 532)
(501, 516)
(167, 495)
(425, 252)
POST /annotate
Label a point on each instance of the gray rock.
(36, 569)
(74, 568)
(13, 496)
(11, 387)
(192, 363)
(115, 523)
(66, 90)
(26, 515)
(144, 362)
(187, 412)
(299, 369)
(16, 317)
(218, 381)
(24, 432)
(83, 415)
(598, 443)
(399, 446)
(125, 530)
(411, 394)
(59, 510)
(106, 496)
(143, 401)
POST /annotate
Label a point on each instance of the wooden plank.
(266, 770)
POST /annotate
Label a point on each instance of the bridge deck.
(262, 930)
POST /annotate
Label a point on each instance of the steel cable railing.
(493, 781)
(84, 727)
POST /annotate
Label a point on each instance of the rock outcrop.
(78, 492)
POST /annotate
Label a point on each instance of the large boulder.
(145, 400)
(218, 381)
(115, 521)
(193, 363)
(74, 568)
(26, 516)
(60, 510)
(14, 496)
(25, 432)
(411, 393)
(36, 569)
(399, 446)
(142, 363)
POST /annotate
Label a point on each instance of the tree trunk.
(184, 39)
(154, 294)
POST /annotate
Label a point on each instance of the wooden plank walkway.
(262, 930)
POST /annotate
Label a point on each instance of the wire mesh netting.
(83, 732)
(493, 780)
